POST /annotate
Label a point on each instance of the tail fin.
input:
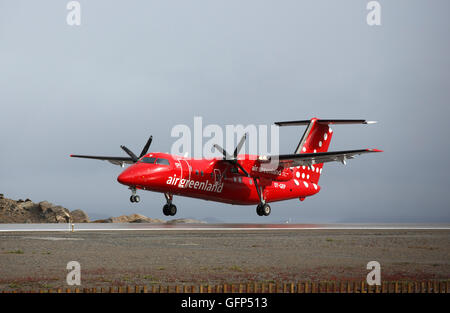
(317, 138)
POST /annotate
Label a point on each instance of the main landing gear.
(134, 197)
(263, 208)
(169, 209)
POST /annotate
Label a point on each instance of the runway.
(36, 255)
(211, 227)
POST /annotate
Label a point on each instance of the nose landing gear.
(169, 209)
(134, 197)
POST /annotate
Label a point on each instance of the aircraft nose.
(126, 178)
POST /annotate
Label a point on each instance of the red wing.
(113, 160)
(291, 160)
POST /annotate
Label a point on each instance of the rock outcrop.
(138, 218)
(185, 221)
(20, 211)
(133, 218)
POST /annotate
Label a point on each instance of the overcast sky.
(135, 68)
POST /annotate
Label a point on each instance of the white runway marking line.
(230, 229)
(52, 238)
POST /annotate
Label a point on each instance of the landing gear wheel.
(135, 198)
(169, 209)
(166, 210)
(266, 209)
(259, 210)
(172, 209)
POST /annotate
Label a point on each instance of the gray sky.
(135, 68)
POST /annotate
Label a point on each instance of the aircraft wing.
(291, 160)
(114, 160)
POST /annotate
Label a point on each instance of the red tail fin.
(316, 138)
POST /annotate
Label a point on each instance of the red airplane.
(240, 179)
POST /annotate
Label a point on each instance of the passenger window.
(201, 173)
(162, 161)
(196, 172)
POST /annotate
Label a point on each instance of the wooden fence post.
(363, 287)
(356, 287)
(307, 290)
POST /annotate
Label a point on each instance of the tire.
(259, 210)
(266, 209)
(173, 210)
(166, 210)
(137, 198)
(131, 199)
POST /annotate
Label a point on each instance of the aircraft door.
(185, 169)
(218, 176)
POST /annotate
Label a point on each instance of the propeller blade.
(239, 146)
(226, 156)
(242, 169)
(147, 145)
(131, 154)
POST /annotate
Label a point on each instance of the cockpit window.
(148, 160)
(162, 161)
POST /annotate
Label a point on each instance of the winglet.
(375, 150)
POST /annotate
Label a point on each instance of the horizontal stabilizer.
(322, 121)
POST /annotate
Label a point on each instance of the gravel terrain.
(34, 260)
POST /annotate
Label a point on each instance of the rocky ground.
(27, 211)
(107, 258)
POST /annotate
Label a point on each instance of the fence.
(299, 287)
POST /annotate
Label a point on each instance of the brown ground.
(38, 259)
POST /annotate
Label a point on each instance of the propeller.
(233, 158)
(144, 150)
(147, 145)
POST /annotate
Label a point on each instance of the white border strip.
(169, 228)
